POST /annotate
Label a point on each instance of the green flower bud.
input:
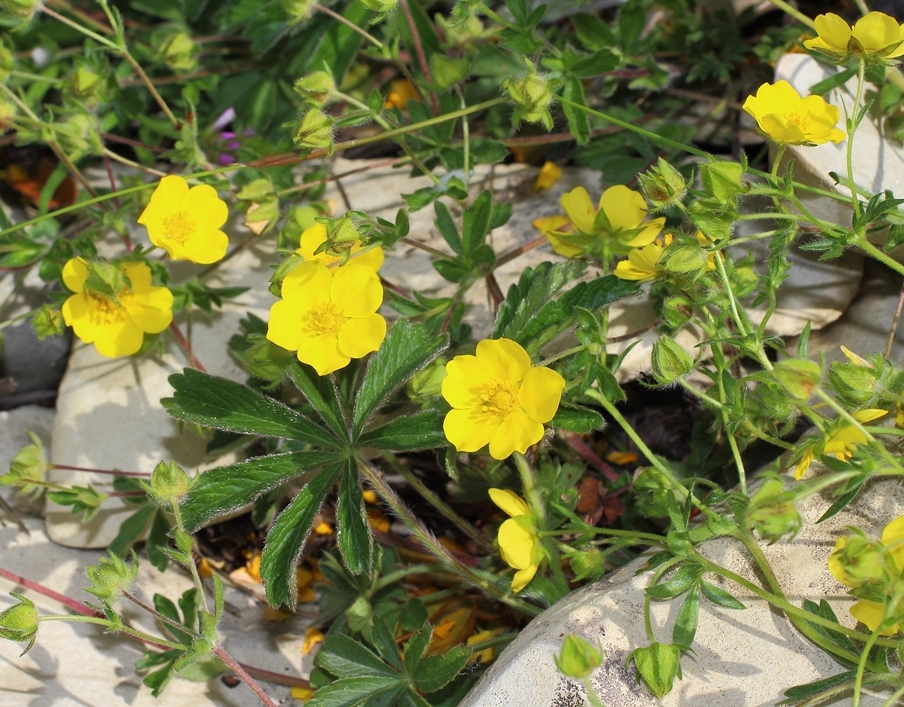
(316, 88)
(426, 384)
(264, 359)
(677, 311)
(578, 657)
(657, 665)
(722, 180)
(168, 485)
(684, 257)
(662, 185)
(772, 512)
(381, 6)
(27, 469)
(342, 230)
(180, 52)
(798, 376)
(670, 361)
(447, 71)
(48, 321)
(85, 85)
(20, 9)
(79, 135)
(7, 62)
(588, 564)
(532, 95)
(110, 577)
(315, 132)
(297, 10)
(743, 281)
(360, 615)
(19, 622)
(854, 384)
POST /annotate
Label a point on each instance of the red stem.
(245, 677)
(112, 472)
(76, 606)
(184, 345)
(419, 50)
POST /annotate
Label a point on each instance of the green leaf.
(598, 293)
(824, 610)
(321, 393)
(416, 647)
(452, 270)
(576, 418)
(354, 692)
(165, 606)
(475, 222)
(578, 124)
(447, 228)
(688, 617)
(841, 503)
(384, 641)
(436, 671)
(597, 63)
(487, 151)
(216, 402)
(345, 657)
(719, 596)
(340, 44)
(678, 584)
(823, 87)
(287, 538)
(592, 32)
(159, 540)
(526, 299)
(406, 349)
(353, 530)
(131, 530)
(423, 430)
(227, 488)
(801, 693)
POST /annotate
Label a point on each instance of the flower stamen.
(179, 227)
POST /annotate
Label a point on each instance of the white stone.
(747, 657)
(77, 664)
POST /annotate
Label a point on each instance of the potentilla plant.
(354, 380)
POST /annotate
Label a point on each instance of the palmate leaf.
(216, 402)
(287, 538)
(406, 349)
(228, 488)
(321, 393)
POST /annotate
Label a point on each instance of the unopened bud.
(48, 321)
(578, 657)
(168, 484)
(532, 95)
(180, 52)
(342, 231)
(27, 469)
(657, 665)
(20, 9)
(798, 376)
(670, 361)
(316, 88)
(426, 384)
(722, 179)
(772, 512)
(297, 10)
(110, 577)
(662, 185)
(315, 132)
(19, 622)
(685, 257)
(381, 6)
(588, 564)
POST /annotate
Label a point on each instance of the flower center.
(178, 227)
(499, 398)
(106, 310)
(801, 120)
(325, 318)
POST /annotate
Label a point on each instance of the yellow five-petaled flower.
(186, 222)
(518, 542)
(116, 326)
(876, 36)
(785, 117)
(499, 399)
(619, 220)
(328, 316)
(842, 442)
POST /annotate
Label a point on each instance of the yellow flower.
(620, 216)
(549, 174)
(328, 316)
(554, 228)
(641, 263)
(499, 399)
(315, 236)
(117, 326)
(519, 545)
(186, 222)
(803, 464)
(867, 612)
(400, 92)
(843, 442)
(784, 116)
(876, 35)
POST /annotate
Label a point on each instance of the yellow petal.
(77, 314)
(551, 223)
(835, 567)
(121, 338)
(869, 414)
(166, 199)
(465, 380)
(356, 291)
(579, 207)
(75, 272)
(541, 393)
(203, 247)
(151, 309)
(359, 337)
(323, 354)
(312, 637)
(834, 32)
(648, 233)
(284, 328)
(549, 174)
(503, 359)
(203, 205)
(803, 464)
(469, 430)
(875, 31)
(308, 285)
(311, 239)
(516, 544)
(139, 275)
(522, 578)
(564, 246)
(871, 614)
(625, 208)
(516, 433)
(372, 259)
(893, 539)
(510, 502)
